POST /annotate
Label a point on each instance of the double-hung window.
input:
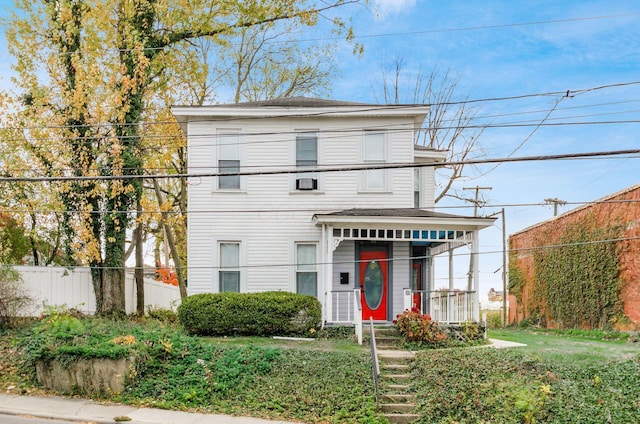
(306, 158)
(228, 161)
(306, 269)
(374, 153)
(229, 274)
(416, 187)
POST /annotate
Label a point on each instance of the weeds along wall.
(580, 269)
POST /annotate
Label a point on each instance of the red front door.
(374, 279)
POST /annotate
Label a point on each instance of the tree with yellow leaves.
(88, 74)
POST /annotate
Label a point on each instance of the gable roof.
(296, 101)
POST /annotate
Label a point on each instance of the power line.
(398, 259)
(290, 210)
(293, 210)
(403, 34)
(354, 108)
(583, 155)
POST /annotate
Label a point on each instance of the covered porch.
(378, 262)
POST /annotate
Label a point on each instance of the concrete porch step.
(395, 367)
(396, 418)
(398, 408)
(396, 388)
(395, 357)
(396, 378)
(398, 398)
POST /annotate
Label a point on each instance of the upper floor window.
(306, 158)
(229, 274)
(228, 161)
(416, 187)
(374, 152)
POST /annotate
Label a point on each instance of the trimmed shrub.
(249, 314)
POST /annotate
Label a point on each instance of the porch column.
(476, 276)
(450, 302)
(328, 248)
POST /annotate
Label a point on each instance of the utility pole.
(505, 270)
(475, 213)
(476, 201)
(555, 202)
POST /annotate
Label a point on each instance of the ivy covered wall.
(580, 269)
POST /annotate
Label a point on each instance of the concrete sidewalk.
(503, 344)
(84, 410)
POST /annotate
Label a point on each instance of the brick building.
(617, 215)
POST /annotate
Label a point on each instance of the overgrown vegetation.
(261, 314)
(177, 371)
(576, 282)
(297, 382)
(487, 385)
(13, 297)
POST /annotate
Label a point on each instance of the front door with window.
(374, 281)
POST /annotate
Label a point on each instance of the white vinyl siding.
(267, 215)
(401, 276)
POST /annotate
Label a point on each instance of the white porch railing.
(342, 302)
(346, 308)
(445, 306)
(450, 306)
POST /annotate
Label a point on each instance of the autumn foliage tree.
(89, 74)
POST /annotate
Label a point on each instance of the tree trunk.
(172, 243)
(112, 292)
(139, 273)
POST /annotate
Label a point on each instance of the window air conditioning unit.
(306, 184)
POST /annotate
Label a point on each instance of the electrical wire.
(390, 260)
(563, 156)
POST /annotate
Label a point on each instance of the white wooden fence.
(58, 286)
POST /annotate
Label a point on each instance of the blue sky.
(596, 43)
(497, 52)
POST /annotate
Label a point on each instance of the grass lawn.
(566, 349)
(554, 379)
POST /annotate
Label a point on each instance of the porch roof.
(401, 218)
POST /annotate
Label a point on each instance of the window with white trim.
(306, 269)
(416, 187)
(374, 152)
(229, 273)
(228, 160)
(306, 158)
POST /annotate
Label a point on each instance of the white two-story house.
(283, 203)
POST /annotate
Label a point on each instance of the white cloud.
(391, 7)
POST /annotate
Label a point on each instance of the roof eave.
(471, 223)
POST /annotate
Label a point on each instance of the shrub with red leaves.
(419, 328)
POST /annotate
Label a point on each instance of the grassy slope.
(318, 381)
(554, 379)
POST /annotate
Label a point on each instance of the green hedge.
(251, 314)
